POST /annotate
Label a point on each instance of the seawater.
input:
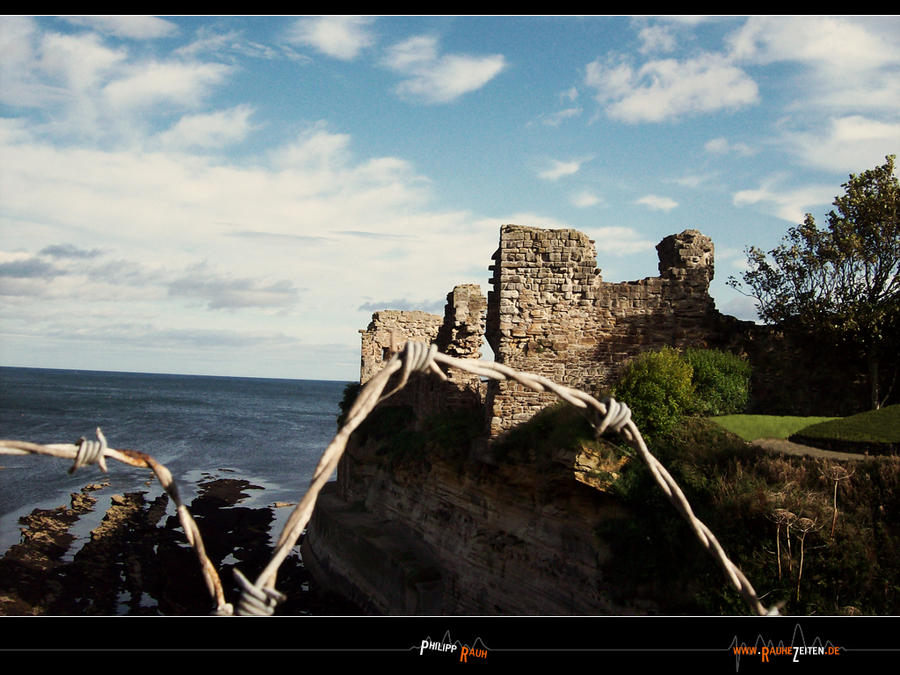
(270, 432)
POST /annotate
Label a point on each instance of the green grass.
(751, 427)
(877, 431)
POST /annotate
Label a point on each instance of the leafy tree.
(840, 284)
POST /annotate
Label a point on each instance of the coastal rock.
(136, 560)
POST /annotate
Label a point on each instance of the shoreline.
(136, 560)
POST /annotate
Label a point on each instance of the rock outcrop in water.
(137, 560)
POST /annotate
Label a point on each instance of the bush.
(721, 381)
(661, 387)
(657, 387)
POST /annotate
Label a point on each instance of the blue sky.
(237, 195)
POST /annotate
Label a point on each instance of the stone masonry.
(459, 333)
(551, 313)
(388, 331)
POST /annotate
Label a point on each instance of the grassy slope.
(875, 425)
(751, 427)
(874, 431)
(742, 494)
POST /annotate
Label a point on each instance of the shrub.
(657, 387)
(721, 381)
(351, 391)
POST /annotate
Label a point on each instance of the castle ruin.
(550, 313)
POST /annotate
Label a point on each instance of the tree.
(840, 284)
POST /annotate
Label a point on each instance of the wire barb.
(91, 452)
(256, 600)
(617, 416)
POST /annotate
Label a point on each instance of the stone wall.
(551, 313)
(459, 333)
(386, 334)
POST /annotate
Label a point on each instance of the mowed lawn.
(877, 429)
(751, 427)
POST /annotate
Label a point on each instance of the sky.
(229, 195)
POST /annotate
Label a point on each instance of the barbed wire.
(260, 597)
(95, 452)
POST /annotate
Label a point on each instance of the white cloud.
(229, 45)
(741, 307)
(558, 169)
(585, 199)
(790, 204)
(439, 78)
(847, 144)
(570, 95)
(848, 63)
(667, 89)
(171, 209)
(839, 44)
(17, 87)
(183, 84)
(717, 146)
(42, 70)
(209, 130)
(127, 25)
(79, 61)
(657, 203)
(692, 180)
(316, 148)
(342, 37)
(722, 146)
(91, 91)
(558, 117)
(656, 39)
(619, 240)
(225, 291)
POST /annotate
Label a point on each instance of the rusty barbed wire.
(95, 452)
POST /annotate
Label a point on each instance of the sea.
(270, 432)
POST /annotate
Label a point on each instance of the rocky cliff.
(421, 522)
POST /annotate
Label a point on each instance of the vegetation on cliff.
(814, 536)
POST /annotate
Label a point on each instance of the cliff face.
(459, 530)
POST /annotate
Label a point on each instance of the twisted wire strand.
(261, 598)
(90, 452)
(256, 601)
